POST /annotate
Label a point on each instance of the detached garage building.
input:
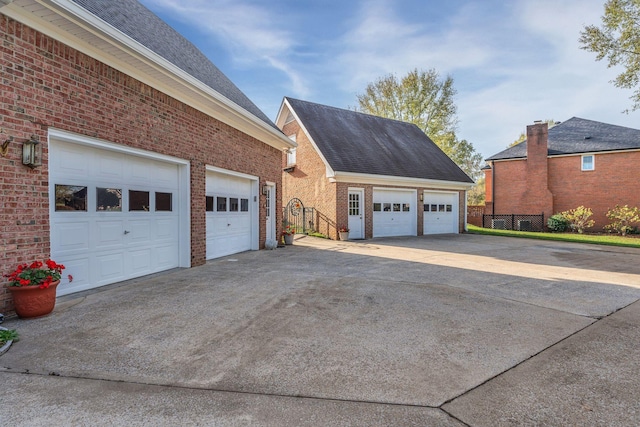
(151, 157)
(376, 176)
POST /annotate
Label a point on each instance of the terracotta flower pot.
(31, 301)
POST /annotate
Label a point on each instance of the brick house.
(140, 136)
(379, 177)
(578, 162)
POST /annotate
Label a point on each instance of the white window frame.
(291, 152)
(593, 162)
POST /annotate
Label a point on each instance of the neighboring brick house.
(578, 162)
(379, 177)
(151, 157)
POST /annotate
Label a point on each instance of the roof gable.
(354, 142)
(577, 136)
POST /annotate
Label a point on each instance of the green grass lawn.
(595, 239)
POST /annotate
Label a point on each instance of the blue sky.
(512, 62)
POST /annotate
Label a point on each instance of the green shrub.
(622, 218)
(557, 223)
(579, 218)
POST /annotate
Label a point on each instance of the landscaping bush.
(622, 218)
(579, 218)
(557, 223)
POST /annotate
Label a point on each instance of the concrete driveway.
(447, 330)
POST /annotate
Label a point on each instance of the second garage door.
(440, 213)
(394, 213)
(230, 215)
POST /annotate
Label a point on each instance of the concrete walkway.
(446, 330)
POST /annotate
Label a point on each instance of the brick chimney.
(538, 198)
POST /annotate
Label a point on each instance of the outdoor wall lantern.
(265, 190)
(421, 197)
(32, 152)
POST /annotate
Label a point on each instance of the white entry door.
(394, 212)
(440, 213)
(270, 213)
(356, 213)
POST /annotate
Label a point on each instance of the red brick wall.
(308, 182)
(613, 181)
(48, 84)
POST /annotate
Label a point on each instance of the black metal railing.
(299, 217)
(514, 222)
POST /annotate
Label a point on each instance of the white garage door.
(394, 213)
(440, 213)
(230, 227)
(114, 216)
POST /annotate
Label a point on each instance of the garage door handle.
(126, 232)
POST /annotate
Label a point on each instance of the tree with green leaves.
(618, 40)
(422, 98)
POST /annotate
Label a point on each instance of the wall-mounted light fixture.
(32, 152)
(421, 197)
(4, 147)
(265, 190)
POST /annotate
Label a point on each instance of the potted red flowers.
(33, 287)
(288, 233)
(344, 232)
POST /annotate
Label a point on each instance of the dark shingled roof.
(142, 25)
(578, 135)
(362, 143)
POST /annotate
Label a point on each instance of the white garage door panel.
(440, 213)
(105, 244)
(394, 213)
(229, 230)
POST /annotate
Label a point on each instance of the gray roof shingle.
(142, 25)
(361, 143)
(578, 135)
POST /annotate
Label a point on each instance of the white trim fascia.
(279, 119)
(626, 150)
(210, 168)
(362, 178)
(186, 89)
(75, 138)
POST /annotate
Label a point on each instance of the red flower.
(70, 278)
(24, 282)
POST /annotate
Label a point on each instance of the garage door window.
(109, 199)
(405, 207)
(163, 202)
(244, 205)
(233, 204)
(209, 203)
(377, 207)
(222, 204)
(71, 198)
(138, 201)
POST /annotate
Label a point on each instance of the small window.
(71, 198)
(233, 204)
(222, 204)
(387, 207)
(209, 203)
(588, 163)
(434, 208)
(449, 208)
(108, 199)
(291, 156)
(138, 200)
(396, 207)
(163, 202)
(244, 205)
(440, 208)
(377, 207)
(405, 207)
(426, 208)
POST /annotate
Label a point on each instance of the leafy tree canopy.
(422, 98)
(618, 40)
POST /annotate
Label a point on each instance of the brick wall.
(45, 83)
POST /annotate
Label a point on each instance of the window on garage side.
(109, 199)
(71, 198)
(405, 207)
(377, 207)
(426, 207)
(234, 206)
(138, 200)
(221, 204)
(396, 207)
(244, 205)
(163, 202)
(209, 203)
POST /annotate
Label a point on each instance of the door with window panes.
(356, 213)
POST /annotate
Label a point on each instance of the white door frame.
(360, 192)
(270, 228)
(184, 192)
